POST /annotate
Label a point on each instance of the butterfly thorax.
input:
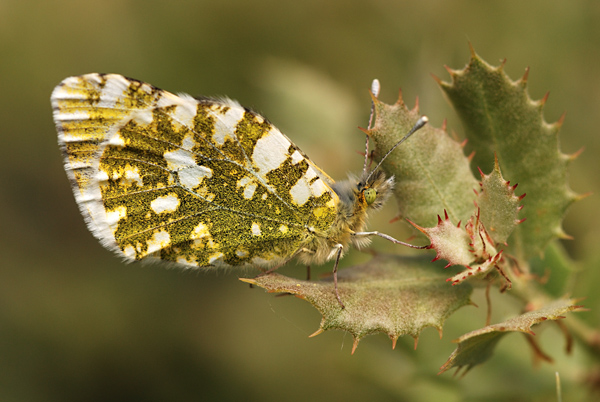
(356, 198)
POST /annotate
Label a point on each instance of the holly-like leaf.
(431, 170)
(481, 242)
(389, 294)
(470, 247)
(479, 269)
(500, 117)
(499, 205)
(478, 346)
(450, 241)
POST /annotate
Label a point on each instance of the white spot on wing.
(114, 216)
(256, 229)
(241, 253)
(310, 174)
(159, 240)
(200, 231)
(216, 258)
(225, 124)
(130, 175)
(129, 251)
(190, 174)
(143, 117)
(270, 151)
(318, 188)
(167, 203)
(186, 107)
(101, 176)
(112, 91)
(296, 157)
(249, 191)
(179, 159)
(188, 143)
(249, 186)
(300, 192)
(117, 141)
(192, 177)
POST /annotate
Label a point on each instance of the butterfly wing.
(197, 182)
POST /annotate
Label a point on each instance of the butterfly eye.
(370, 195)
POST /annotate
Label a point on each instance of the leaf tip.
(561, 234)
(394, 340)
(400, 101)
(525, 77)
(317, 332)
(437, 79)
(502, 63)
(561, 120)
(472, 50)
(248, 280)
(354, 345)
(575, 154)
(416, 108)
(544, 99)
(366, 131)
(419, 228)
(580, 197)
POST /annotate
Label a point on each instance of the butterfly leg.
(335, 270)
(270, 270)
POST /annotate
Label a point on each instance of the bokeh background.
(76, 324)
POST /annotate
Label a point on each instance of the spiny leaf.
(500, 117)
(389, 294)
(481, 242)
(499, 205)
(450, 241)
(470, 247)
(479, 269)
(432, 173)
(478, 346)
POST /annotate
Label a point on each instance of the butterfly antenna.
(375, 88)
(418, 125)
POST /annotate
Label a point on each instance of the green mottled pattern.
(211, 220)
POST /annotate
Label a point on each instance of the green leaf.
(389, 294)
(500, 117)
(450, 241)
(432, 173)
(499, 205)
(478, 346)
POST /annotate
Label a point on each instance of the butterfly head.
(373, 190)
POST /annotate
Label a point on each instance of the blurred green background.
(76, 324)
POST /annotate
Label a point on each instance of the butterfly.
(203, 183)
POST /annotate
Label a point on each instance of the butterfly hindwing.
(198, 182)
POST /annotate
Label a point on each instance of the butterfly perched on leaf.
(202, 182)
